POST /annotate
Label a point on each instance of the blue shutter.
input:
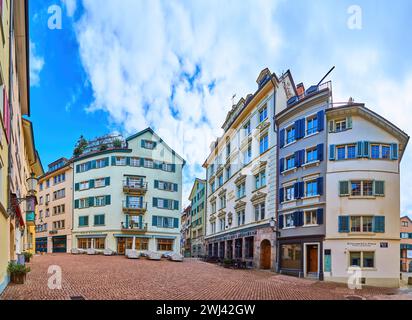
(77, 187)
(281, 222)
(319, 216)
(394, 151)
(155, 202)
(320, 186)
(296, 190)
(76, 204)
(302, 127)
(173, 167)
(299, 216)
(106, 162)
(91, 184)
(366, 149)
(301, 189)
(93, 164)
(297, 159)
(343, 224)
(281, 195)
(141, 222)
(176, 223)
(113, 161)
(320, 151)
(282, 138)
(379, 224)
(107, 181)
(359, 149)
(302, 157)
(141, 162)
(332, 152)
(297, 129)
(154, 221)
(176, 205)
(108, 200)
(127, 201)
(127, 161)
(282, 165)
(156, 184)
(321, 120)
(175, 187)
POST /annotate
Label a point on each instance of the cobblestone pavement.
(100, 277)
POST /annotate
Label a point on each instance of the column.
(134, 244)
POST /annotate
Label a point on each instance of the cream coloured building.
(128, 196)
(241, 176)
(363, 196)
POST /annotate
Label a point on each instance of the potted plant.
(117, 143)
(17, 272)
(27, 256)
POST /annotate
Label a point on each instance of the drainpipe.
(277, 181)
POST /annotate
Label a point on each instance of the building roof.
(30, 148)
(368, 114)
(197, 181)
(406, 217)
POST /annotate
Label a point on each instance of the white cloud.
(137, 52)
(36, 66)
(71, 6)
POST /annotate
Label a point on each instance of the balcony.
(30, 218)
(134, 208)
(134, 227)
(136, 187)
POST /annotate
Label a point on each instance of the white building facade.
(363, 197)
(241, 177)
(129, 197)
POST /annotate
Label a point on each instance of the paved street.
(100, 277)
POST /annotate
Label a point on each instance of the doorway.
(312, 259)
(265, 254)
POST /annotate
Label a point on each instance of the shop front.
(255, 246)
(91, 242)
(301, 257)
(41, 245)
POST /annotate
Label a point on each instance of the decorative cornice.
(240, 179)
(258, 197)
(259, 166)
(222, 192)
(240, 205)
(222, 213)
(212, 199)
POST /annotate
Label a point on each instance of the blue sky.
(174, 65)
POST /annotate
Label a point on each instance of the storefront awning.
(91, 236)
(131, 236)
(165, 237)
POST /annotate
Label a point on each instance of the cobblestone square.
(114, 278)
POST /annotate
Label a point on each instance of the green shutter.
(107, 181)
(113, 161)
(331, 126)
(379, 188)
(128, 161)
(176, 205)
(359, 149)
(76, 204)
(154, 221)
(91, 184)
(343, 188)
(91, 202)
(155, 202)
(77, 187)
(156, 184)
(108, 200)
(343, 224)
(127, 222)
(379, 224)
(394, 151)
(366, 149)
(349, 122)
(176, 223)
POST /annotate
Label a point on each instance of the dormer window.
(148, 144)
(340, 125)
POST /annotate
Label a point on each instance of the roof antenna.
(330, 71)
(233, 99)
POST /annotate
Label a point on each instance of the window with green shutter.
(99, 220)
(379, 188)
(379, 224)
(343, 188)
(83, 221)
(343, 224)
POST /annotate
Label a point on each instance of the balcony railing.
(132, 186)
(134, 226)
(134, 207)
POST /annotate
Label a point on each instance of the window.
(375, 151)
(367, 188)
(101, 163)
(291, 256)
(222, 224)
(99, 183)
(289, 193)
(340, 125)
(58, 225)
(263, 114)
(100, 201)
(362, 259)
(241, 218)
(148, 163)
(83, 167)
(404, 235)
(84, 185)
(289, 220)
(386, 152)
(260, 180)
(213, 186)
(356, 188)
(83, 203)
(227, 149)
(260, 212)
(41, 200)
(312, 155)
(290, 135)
(228, 172)
(48, 184)
(312, 125)
(264, 144)
(367, 224)
(83, 221)
(220, 180)
(311, 188)
(355, 224)
(311, 218)
(247, 129)
(120, 161)
(148, 144)
(290, 162)
(222, 202)
(241, 189)
(134, 162)
(213, 227)
(165, 244)
(47, 213)
(405, 223)
(213, 204)
(341, 153)
(41, 186)
(99, 220)
(247, 155)
(351, 152)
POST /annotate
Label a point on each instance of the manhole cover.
(77, 298)
(354, 298)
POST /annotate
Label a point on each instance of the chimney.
(300, 88)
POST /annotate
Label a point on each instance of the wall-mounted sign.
(384, 245)
(362, 244)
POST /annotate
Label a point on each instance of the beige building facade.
(55, 209)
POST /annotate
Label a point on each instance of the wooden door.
(265, 254)
(312, 259)
(121, 246)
